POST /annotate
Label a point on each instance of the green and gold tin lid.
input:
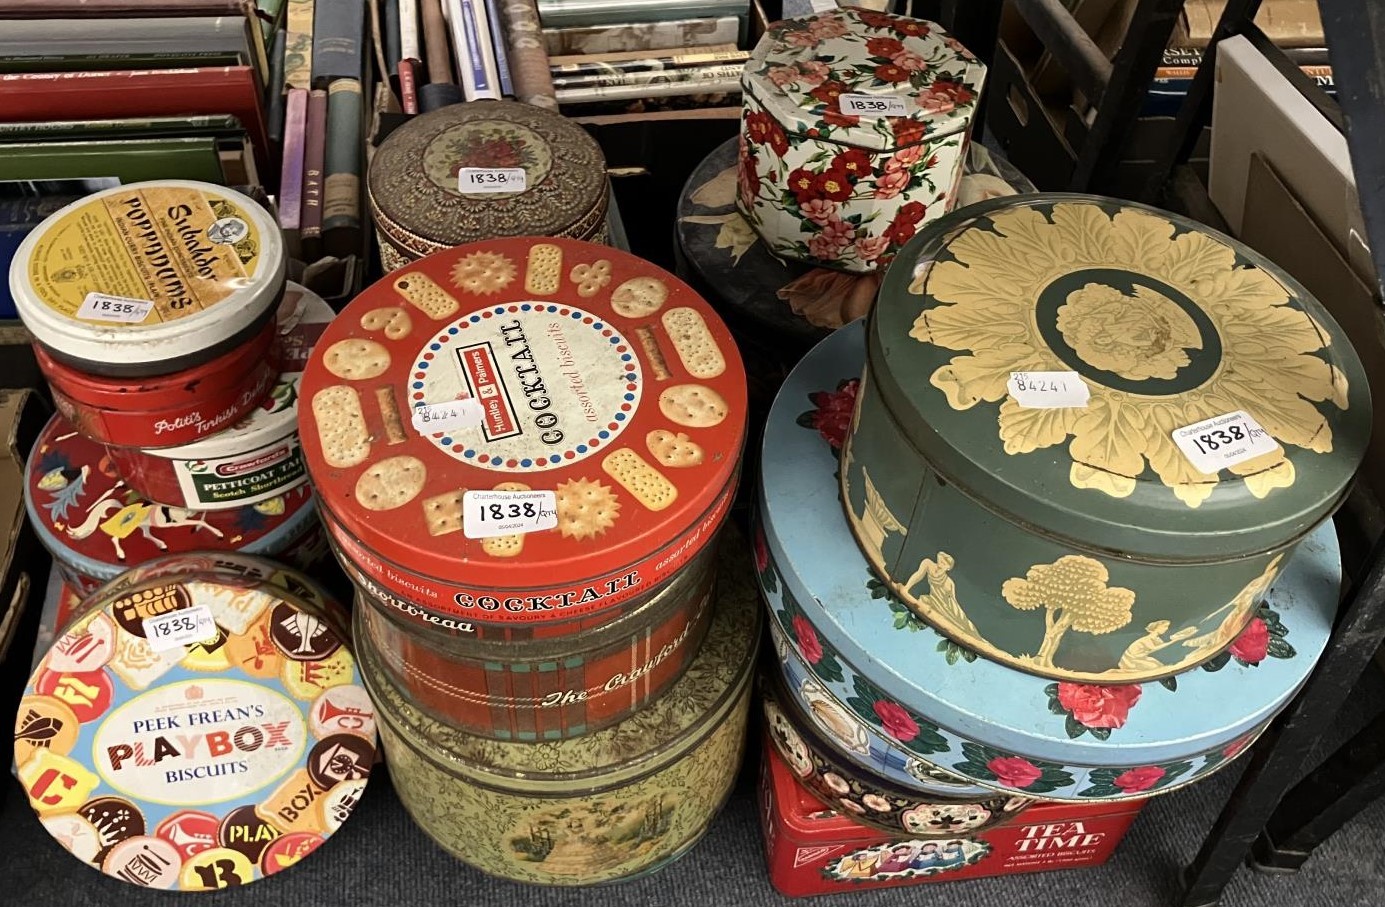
(486, 169)
(1119, 376)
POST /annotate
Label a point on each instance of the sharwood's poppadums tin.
(195, 731)
(995, 725)
(96, 526)
(522, 432)
(253, 460)
(1099, 429)
(611, 805)
(150, 278)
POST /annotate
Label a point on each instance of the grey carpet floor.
(380, 858)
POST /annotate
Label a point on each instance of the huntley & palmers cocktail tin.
(854, 128)
(1090, 434)
(995, 725)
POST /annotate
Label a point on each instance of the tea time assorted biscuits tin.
(195, 731)
(1090, 435)
(992, 724)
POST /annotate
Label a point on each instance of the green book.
(100, 62)
(127, 160)
(341, 195)
(217, 125)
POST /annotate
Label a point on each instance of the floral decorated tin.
(195, 731)
(254, 460)
(96, 526)
(1090, 434)
(522, 432)
(993, 724)
(149, 278)
(611, 805)
(854, 128)
(439, 180)
(812, 851)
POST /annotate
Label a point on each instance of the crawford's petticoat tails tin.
(611, 805)
(521, 432)
(854, 128)
(195, 731)
(254, 460)
(481, 170)
(1090, 434)
(150, 278)
(995, 725)
(96, 526)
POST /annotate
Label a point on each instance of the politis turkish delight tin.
(255, 459)
(611, 805)
(1100, 430)
(481, 170)
(523, 432)
(195, 731)
(149, 278)
(854, 129)
(96, 526)
(995, 725)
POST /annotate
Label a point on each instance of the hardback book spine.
(645, 36)
(608, 107)
(298, 45)
(620, 56)
(647, 65)
(528, 59)
(338, 41)
(410, 45)
(341, 197)
(291, 173)
(389, 29)
(473, 74)
(81, 62)
(314, 160)
(496, 27)
(650, 84)
(479, 24)
(408, 86)
(275, 116)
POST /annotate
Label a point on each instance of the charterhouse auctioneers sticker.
(183, 767)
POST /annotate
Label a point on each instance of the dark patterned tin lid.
(1213, 408)
(415, 180)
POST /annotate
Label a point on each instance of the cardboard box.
(1288, 23)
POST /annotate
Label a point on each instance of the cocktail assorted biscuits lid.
(523, 430)
(195, 732)
(149, 278)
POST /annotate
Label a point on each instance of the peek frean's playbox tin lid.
(576, 379)
(995, 725)
(802, 68)
(195, 732)
(149, 278)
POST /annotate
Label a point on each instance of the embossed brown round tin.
(420, 204)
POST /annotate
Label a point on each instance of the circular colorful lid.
(1211, 408)
(148, 278)
(89, 519)
(922, 81)
(195, 733)
(484, 169)
(524, 430)
(992, 724)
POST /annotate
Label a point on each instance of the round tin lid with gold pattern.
(1119, 376)
(420, 189)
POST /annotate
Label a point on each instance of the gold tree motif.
(1074, 593)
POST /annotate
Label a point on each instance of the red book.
(408, 87)
(314, 165)
(43, 96)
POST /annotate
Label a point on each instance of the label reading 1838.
(487, 514)
(472, 180)
(869, 105)
(1214, 444)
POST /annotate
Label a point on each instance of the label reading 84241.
(491, 179)
(1214, 444)
(1048, 390)
(103, 307)
(178, 628)
(486, 514)
(871, 105)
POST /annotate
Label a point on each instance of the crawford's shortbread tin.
(195, 731)
(992, 724)
(1101, 429)
(150, 278)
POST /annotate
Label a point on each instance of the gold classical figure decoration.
(984, 308)
(1074, 594)
(876, 520)
(941, 599)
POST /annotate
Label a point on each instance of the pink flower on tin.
(839, 231)
(823, 248)
(904, 158)
(820, 211)
(814, 72)
(891, 183)
(782, 76)
(827, 28)
(801, 39)
(869, 248)
(909, 61)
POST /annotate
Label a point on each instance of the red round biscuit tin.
(168, 410)
(523, 431)
(257, 458)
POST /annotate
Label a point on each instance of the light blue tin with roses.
(996, 726)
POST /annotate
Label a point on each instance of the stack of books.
(439, 52)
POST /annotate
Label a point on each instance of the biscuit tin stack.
(484, 169)
(197, 727)
(520, 449)
(992, 724)
(612, 805)
(854, 128)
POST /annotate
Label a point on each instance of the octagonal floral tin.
(854, 129)
(992, 724)
(1090, 434)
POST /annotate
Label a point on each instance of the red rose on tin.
(1139, 779)
(911, 27)
(1235, 747)
(1098, 706)
(803, 183)
(807, 639)
(1012, 771)
(900, 231)
(828, 92)
(896, 720)
(889, 72)
(758, 126)
(911, 212)
(761, 552)
(833, 415)
(854, 162)
(834, 117)
(874, 19)
(1253, 643)
(884, 47)
(833, 184)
